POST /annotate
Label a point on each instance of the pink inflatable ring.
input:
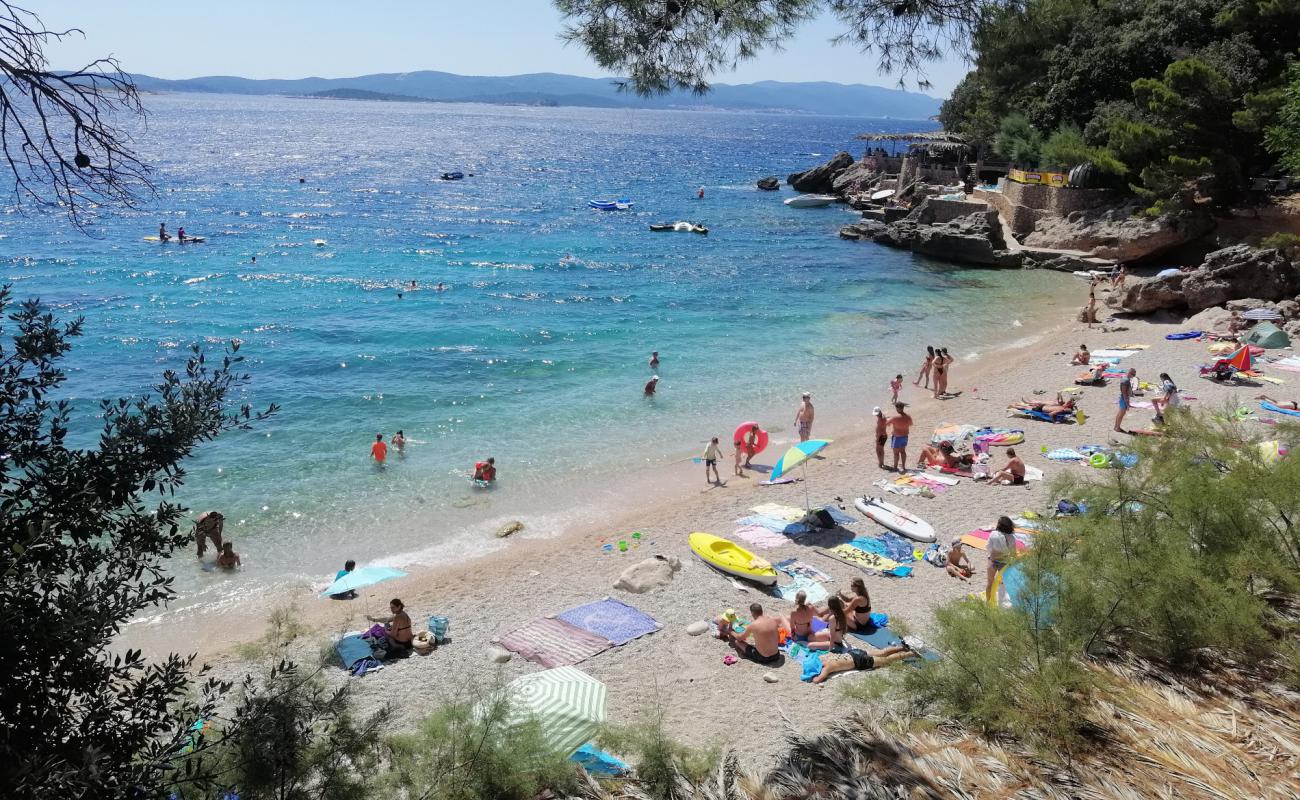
(743, 430)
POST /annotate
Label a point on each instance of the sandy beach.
(703, 700)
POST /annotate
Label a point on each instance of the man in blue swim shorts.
(900, 425)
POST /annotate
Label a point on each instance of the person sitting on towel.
(800, 619)
(1083, 358)
(759, 642)
(398, 630)
(858, 606)
(942, 455)
(958, 564)
(1014, 471)
(865, 658)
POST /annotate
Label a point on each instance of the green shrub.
(665, 769)
(466, 751)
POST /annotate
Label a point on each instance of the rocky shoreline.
(965, 226)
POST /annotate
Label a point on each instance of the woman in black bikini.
(925, 368)
(940, 370)
(831, 637)
(858, 606)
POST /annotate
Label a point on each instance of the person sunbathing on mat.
(863, 659)
(942, 455)
(1290, 404)
(1061, 406)
(1094, 375)
(764, 631)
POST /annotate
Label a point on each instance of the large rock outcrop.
(1232, 273)
(859, 176)
(821, 179)
(975, 238)
(1118, 233)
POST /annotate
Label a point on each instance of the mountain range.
(855, 100)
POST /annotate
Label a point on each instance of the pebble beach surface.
(702, 699)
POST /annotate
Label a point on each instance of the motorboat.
(621, 204)
(452, 176)
(680, 227)
(811, 200)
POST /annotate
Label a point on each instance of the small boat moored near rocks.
(621, 204)
(811, 200)
(680, 227)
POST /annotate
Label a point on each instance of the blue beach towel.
(778, 525)
(1267, 406)
(888, 544)
(598, 762)
(616, 621)
(352, 650)
(812, 666)
(839, 516)
(1185, 335)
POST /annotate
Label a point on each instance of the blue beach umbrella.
(796, 456)
(360, 578)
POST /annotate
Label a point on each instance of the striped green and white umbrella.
(569, 704)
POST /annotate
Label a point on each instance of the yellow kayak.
(732, 559)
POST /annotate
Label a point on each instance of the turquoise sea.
(537, 351)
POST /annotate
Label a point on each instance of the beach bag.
(1066, 508)
(439, 626)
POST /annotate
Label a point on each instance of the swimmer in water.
(486, 471)
(654, 360)
(399, 441)
(441, 287)
(412, 284)
(651, 385)
(379, 450)
(228, 559)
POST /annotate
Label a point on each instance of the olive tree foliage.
(682, 44)
(66, 135)
(85, 533)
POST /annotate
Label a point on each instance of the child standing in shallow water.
(895, 386)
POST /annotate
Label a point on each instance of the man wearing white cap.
(803, 420)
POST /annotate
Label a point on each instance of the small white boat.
(319, 242)
(896, 519)
(811, 200)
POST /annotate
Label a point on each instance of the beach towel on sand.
(871, 562)
(553, 642)
(794, 568)
(801, 583)
(779, 511)
(612, 619)
(761, 537)
(352, 650)
(777, 525)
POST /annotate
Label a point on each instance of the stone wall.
(949, 210)
(1022, 205)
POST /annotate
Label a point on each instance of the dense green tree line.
(1174, 98)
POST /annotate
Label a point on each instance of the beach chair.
(1226, 369)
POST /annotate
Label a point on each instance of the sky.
(344, 38)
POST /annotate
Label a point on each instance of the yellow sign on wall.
(1057, 179)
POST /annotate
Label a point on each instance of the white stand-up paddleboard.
(896, 519)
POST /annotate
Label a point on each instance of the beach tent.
(1268, 335)
(1241, 360)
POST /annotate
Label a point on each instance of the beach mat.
(814, 591)
(553, 642)
(352, 649)
(871, 562)
(612, 619)
(794, 568)
(779, 511)
(881, 638)
(776, 525)
(760, 537)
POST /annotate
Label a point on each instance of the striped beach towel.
(553, 642)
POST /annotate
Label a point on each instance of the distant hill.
(856, 100)
(365, 94)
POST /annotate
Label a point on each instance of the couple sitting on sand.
(761, 639)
